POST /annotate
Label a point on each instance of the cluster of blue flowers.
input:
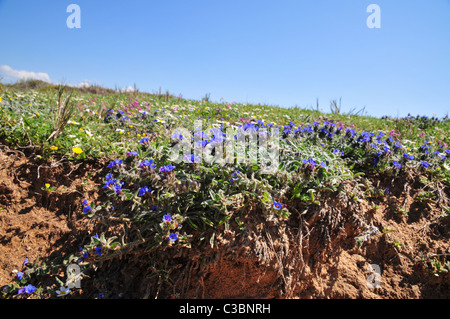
(113, 184)
(408, 156)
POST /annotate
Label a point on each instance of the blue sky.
(282, 53)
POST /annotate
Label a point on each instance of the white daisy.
(62, 292)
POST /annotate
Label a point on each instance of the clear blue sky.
(282, 53)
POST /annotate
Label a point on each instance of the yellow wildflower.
(77, 150)
(54, 148)
(47, 185)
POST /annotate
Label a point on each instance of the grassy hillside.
(336, 173)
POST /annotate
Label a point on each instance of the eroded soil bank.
(334, 250)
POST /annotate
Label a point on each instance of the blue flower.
(277, 205)
(19, 275)
(132, 153)
(144, 190)
(167, 218)
(191, 159)
(115, 163)
(98, 251)
(87, 209)
(118, 187)
(110, 182)
(408, 156)
(167, 168)
(177, 136)
(109, 176)
(425, 164)
(397, 165)
(336, 151)
(28, 289)
(144, 140)
(312, 163)
(173, 237)
(147, 163)
(85, 202)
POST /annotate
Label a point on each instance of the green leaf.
(266, 197)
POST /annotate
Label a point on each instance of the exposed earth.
(270, 258)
